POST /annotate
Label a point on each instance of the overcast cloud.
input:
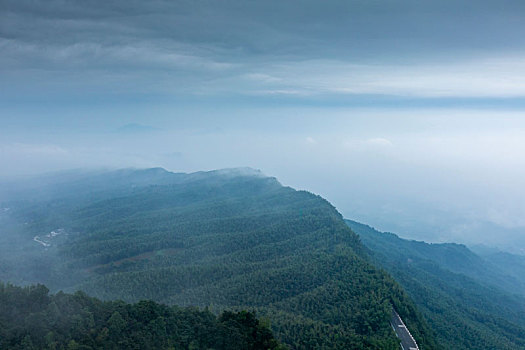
(407, 115)
(400, 48)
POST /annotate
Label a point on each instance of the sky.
(406, 115)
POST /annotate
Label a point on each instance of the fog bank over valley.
(408, 115)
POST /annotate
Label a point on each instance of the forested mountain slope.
(511, 264)
(33, 319)
(224, 239)
(455, 289)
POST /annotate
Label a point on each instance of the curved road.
(402, 332)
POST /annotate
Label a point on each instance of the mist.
(407, 117)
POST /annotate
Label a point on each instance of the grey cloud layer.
(289, 48)
(273, 26)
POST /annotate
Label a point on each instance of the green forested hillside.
(513, 265)
(33, 319)
(463, 304)
(225, 239)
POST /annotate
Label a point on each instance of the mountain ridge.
(466, 308)
(222, 239)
